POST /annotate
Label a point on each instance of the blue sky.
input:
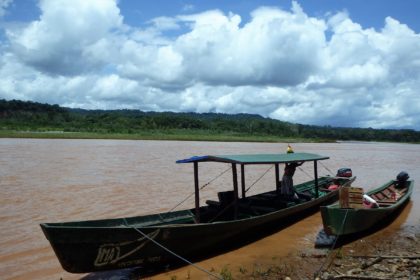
(340, 63)
(369, 13)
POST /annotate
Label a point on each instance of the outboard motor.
(344, 172)
(402, 179)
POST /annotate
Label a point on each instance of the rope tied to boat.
(202, 187)
(311, 176)
(306, 173)
(171, 252)
(329, 170)
(256, 181)
(232, 203)
(332, 247)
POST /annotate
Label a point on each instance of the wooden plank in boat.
(379, 196)
(388, 200)
(402, 191)
(392, 188)
(213, 203)
(375, 197)
(387, 193)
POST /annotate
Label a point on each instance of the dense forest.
(18, 115)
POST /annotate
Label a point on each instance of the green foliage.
(242, 270)
(225, 274)
(36, 117)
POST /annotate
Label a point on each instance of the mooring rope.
(221, 212)
(202, 187)
(332, 247)
(171, 252)
(256, 181)
(230, 204)
(304, 172)
(329, 170)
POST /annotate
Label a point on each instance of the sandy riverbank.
(374, 257)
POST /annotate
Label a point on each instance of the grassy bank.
(20, 116)
(175, 135)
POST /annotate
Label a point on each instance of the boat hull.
(346, 221)
(123, 244)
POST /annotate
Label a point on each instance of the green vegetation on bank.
(36, 120)
(179, 135)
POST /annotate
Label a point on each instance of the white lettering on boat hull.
(112, 253)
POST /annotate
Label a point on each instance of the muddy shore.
(374, 257)
(386, 257)
(390, 250)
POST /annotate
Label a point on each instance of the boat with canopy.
(162, 239)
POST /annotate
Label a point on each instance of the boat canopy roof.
(256, 158)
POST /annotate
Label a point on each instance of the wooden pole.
(243, 180)
(316, 178)
(277, 178)
(197, 193)
(235, 189)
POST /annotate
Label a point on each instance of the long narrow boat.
(160, 239)
(389, 198)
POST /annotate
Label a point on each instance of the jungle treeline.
(29, 116)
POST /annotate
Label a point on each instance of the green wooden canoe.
(155, 240)
(346, 221)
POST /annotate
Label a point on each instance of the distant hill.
(32, 116)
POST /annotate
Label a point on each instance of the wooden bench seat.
(387, 193)
(388, 200)
(392, 188)
(213, 203)
(378, 196)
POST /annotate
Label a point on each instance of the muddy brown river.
(65, 180)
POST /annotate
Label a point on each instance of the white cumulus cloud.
(65, 38)
(282, 64)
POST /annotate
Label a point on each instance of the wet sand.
(64, 180)
(292, 250)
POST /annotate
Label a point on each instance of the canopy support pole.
(277, 178)
(316, 178)
(243, 180)
(197, 193)
(235, 189)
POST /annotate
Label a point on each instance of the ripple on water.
(63, 180)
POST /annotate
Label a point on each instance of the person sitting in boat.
(287, 189)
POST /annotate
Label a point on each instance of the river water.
(64, 180)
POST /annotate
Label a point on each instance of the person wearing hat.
(287, 189)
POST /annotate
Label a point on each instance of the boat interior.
(222, 210)
(390, 195)
(256, 205)
(260, 204)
